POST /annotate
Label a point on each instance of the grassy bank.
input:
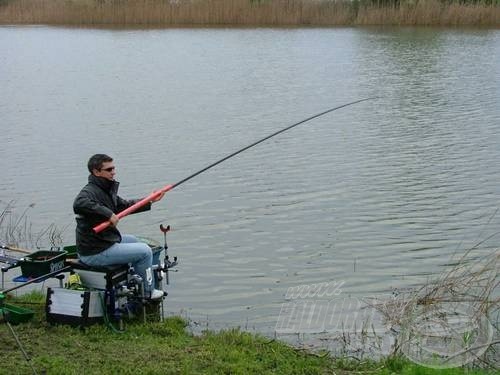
(168, 13)
(167, 348)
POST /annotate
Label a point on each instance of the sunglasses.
(110, 169)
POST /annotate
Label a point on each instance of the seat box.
(74, 307)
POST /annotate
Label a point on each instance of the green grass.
(168, 348)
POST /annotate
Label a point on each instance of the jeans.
(129, 250)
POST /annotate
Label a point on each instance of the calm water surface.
(380, 195)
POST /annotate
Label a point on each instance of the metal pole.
(43, 277)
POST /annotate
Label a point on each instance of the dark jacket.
(97, 202)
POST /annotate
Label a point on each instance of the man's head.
(101, 165)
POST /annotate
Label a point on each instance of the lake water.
(380, 195)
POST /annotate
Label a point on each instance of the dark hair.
(96, 161)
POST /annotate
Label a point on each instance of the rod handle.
(133, 208)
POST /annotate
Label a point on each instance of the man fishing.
(99, 201)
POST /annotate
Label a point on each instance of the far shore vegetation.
(246, 13)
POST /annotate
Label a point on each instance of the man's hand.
(158, 197)
(114, 220)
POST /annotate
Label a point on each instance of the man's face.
(107, 171)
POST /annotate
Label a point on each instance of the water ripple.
(380, 195)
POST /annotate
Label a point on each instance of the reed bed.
(173, 13)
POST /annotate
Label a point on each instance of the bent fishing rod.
(156, 194)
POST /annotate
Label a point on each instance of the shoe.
(156, 294)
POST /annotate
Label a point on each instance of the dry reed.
(167, 13)
(17, 230)
(470, 286)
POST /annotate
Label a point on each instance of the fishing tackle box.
(74, 307)
(42, 262)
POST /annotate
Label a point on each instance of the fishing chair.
(109, 292)
(101, 294)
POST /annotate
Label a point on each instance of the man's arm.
(86, 204)
(124, 204)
